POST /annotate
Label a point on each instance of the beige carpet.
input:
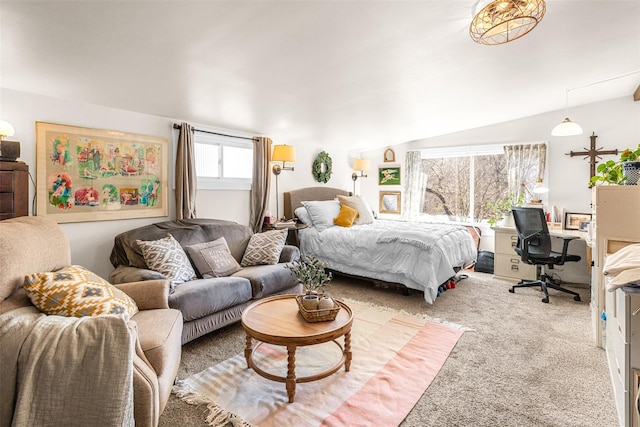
(393, 355)
(524, 364)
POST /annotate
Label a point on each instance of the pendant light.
(502, 21)
(567, 127)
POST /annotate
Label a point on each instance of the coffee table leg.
(291, 372)
(247, 352)
(347, 351)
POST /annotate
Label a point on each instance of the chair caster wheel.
(513, 291)
(576, 298)
(545, 300)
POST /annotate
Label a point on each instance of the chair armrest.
(148, 295)
(565, 246)
(289, 253)
(126, 274)
(524, 246)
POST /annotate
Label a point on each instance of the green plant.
(501, 207)
(610, 172)
(311, 272)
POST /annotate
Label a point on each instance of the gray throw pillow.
(213, 259)
(264, 248)
(166, 256)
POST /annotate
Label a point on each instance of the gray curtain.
(261, 186)
(525, 164)
(185, 174)
(414, 187)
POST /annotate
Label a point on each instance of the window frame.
(221, 182)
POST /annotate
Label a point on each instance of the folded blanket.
(65, 371)
(624, 267)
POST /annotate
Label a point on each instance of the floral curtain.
(261, 186)
(415, 183)
(185, 174)
(525, 165)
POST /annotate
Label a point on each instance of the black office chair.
(534, 247)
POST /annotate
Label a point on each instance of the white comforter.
(418, 255)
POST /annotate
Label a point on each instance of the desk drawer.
(512, 266)
(505, 242)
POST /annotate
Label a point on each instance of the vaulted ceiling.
(355, 73)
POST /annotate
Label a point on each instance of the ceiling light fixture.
(502, 21)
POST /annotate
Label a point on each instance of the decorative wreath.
(322, 159)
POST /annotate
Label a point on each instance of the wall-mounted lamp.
(284, 154)
(362, 166)
(9, 150)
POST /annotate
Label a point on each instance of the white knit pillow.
(167, 257)
(264, 248)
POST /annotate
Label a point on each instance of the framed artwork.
(88, 174)
(389, 176)
(390, 202)
(576, 221)
(389, 156)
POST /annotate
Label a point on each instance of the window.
(462, 180)
(223, 163)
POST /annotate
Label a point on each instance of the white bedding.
(420, 256)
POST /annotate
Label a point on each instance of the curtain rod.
(177, 126)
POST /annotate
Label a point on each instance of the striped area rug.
(395, 358)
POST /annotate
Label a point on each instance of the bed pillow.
(213, 259)
(346, 216)
(303, 215)
(322, 212)
(75, 291)
(361, 205)
(264, 248)
(166, 256)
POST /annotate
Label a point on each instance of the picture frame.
(390, 202)
(85, 174)
(389, 156)
(576, 221)
(389, 175)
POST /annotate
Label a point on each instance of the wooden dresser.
(14, 189)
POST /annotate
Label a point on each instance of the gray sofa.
(211, 303)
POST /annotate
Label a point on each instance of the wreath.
(322, 159)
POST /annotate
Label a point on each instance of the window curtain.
(261, 186)
(525, 165)
(185, 174)
(414, 187)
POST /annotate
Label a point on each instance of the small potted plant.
(501, 208)
(624, 171)
(311, 272)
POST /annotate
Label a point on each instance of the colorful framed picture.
(389, 176)
(390, 202)
(88, 174)
(576, 221)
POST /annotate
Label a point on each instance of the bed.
(417, 255)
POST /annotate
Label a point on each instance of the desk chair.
(534, 247)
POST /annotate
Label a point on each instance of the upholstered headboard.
(293, 199)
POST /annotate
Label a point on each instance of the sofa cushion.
(166, 256)
(264, 248)
(267, 280)
(213, 259)
(75, 291)
(202, 297)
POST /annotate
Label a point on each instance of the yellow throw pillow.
(346, 216)
(75, 291)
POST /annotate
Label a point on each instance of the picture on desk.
(576, 221)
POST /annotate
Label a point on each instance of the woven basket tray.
(317, 315)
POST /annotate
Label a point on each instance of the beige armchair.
(36, 244)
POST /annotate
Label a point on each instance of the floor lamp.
(360, 165)
(284, 154)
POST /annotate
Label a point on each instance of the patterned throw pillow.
(264, 248)
(213, 259)
(166, 256)
(75, 291)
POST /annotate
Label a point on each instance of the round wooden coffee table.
(276, 320)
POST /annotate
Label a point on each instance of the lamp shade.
(6, 129)
(283, 153)
(362, 165)
(539, 188)
(502, 21)
(566, 128)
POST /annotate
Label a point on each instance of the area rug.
(395, 358)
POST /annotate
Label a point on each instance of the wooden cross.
(592, 153)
